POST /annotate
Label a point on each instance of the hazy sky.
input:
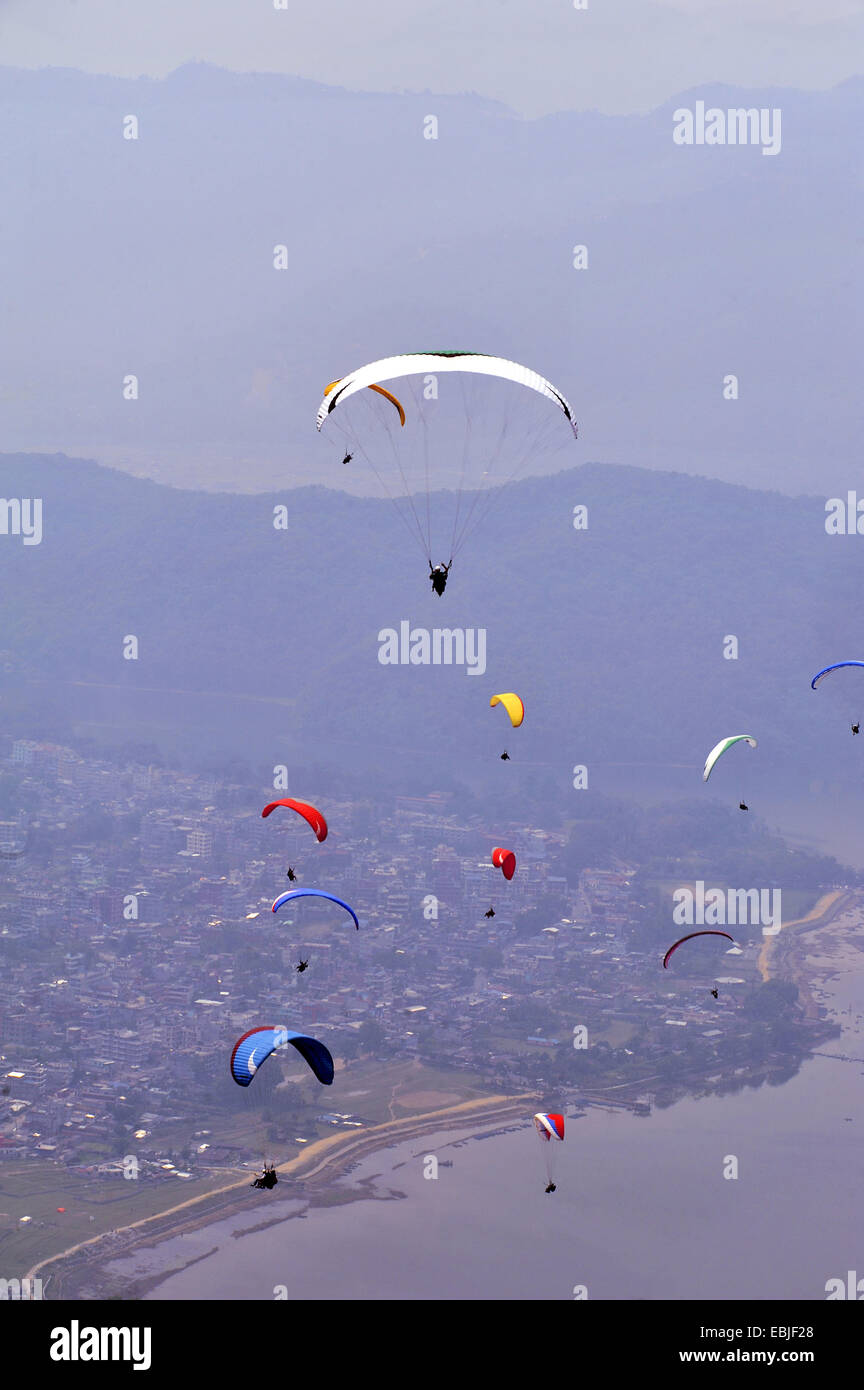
(536, 55)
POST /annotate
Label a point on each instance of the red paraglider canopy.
(690, 937)
(505, 860)
(303, 808)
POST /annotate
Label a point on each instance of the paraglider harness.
(267, 1179)
(439, 575)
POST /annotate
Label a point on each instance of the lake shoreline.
(308, 1178)
(811, 955)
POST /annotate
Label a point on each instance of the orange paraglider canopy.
(381, 392)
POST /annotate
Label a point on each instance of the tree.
(371, 1036)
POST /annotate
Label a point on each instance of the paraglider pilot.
(438, 574)
(551, 1187)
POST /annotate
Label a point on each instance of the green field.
(98, 1204)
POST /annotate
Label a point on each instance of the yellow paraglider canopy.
(513, 706)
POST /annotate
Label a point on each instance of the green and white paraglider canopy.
(445, 360)
(440, 452)
(722, 747)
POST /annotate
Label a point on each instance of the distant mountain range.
(264, 644)
(155, 257)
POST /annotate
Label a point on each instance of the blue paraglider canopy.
(828, 669)
(313, 893)
(259, 1043)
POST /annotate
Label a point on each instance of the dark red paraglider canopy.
(690, 937)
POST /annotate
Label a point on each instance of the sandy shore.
(311, 1171)
(326, 1159)
(829, 906)
(810, 953)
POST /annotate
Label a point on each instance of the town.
(137, 944)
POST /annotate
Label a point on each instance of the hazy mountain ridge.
(155, 257)
(613, 635)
